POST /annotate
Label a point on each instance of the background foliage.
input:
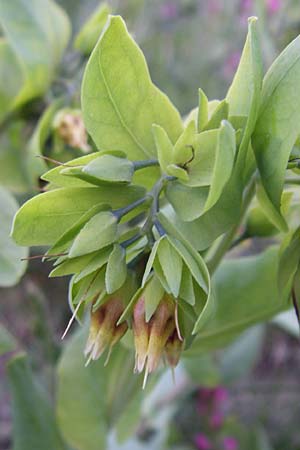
(187, 44)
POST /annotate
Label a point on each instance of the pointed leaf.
(225, 157)
(202, 111)
(43, 219)
(164, 147)
(171, 264)
(278, 123)
(119, 112)
(98, 232)
(116, 269)
(109, 168)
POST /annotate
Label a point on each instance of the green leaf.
(13, 173)
(56, 178)
(37, 34)
(194, 262)
(178, 172)
(220, 218)
(96, 262)
(202, 118)
(11, 77)
(150, 261)
(98, 232)
(152, 294)
(34, 423)
(220, 113)
(88, 36)
(272, 213)
(35, 165)
(11, 266)
(200, 168)
(119, 112)
(164, 147)
(109, 168)
(171, 264)
(289, 260)
(245, 293)
(116, 269)
(43, 219)
(65, 240)
(278, 124)
(225, 157)
(245, 91)
(177, 194)
(183, 149)
(7, 341)
(259, 223)
(71, 265)
(186, 288)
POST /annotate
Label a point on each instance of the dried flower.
(70, 128)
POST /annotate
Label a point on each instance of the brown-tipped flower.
(153, 338)
(104, 331)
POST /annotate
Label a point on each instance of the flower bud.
(104, 331)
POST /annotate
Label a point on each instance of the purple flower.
(230, 443)
(202, 442)
(220, 394)
(168, 11)
(216, 420)
(273, 5)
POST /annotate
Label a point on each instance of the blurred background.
(246, 396)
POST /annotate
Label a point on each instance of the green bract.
(129, 221)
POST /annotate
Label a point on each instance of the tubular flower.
(156, 337)
(104, 332)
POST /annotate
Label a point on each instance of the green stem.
(121, 212)
(138, 165)
(214, 257)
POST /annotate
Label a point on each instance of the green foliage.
(278, 126)
(144, 221)
(33, 48)
(112, 121)
(34, 422)
(11, 266)
(88, 36)
(103, 393)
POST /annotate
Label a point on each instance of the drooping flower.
(157, 337)
(104, 332)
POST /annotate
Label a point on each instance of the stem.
(155, 193)
(119, 213)
(214, 258)
(138, 165)
(292, 180)
(130, 241)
